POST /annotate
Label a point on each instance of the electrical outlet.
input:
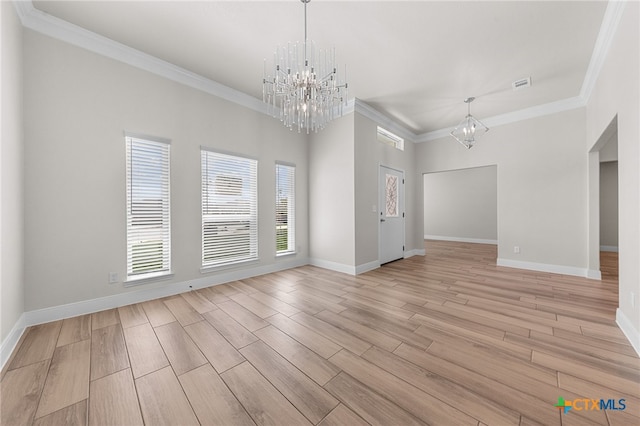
(516, 249)
(113, 277)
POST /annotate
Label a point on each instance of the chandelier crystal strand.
(304, 90)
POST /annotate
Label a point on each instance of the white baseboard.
(345, 269)
(594, 274)
(10, 342)
(359, 269)
(414, 252)
(55, 313)
(239, 274)
(366, 267)
(609, 248)
(543, 267)
(629, 330)
(461, 239)
(333, 266)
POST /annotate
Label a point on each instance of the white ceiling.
(413, 61)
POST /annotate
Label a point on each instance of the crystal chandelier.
(304, 90)
(469, 128)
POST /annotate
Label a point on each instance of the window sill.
(226, 266)
(147, 278)
(285, 254)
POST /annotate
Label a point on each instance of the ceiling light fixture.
(469, 128)
(304, 89)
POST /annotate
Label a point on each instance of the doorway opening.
(609, 209)
(461, 206)
(603, 206)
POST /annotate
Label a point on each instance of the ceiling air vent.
(522, 83)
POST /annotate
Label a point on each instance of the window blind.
(285, 209)
(229, 209)
(148, 208)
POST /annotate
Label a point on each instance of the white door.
(391, 214)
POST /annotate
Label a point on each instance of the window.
(285, 209)
(229, 209)
(148, 219)
(391, 195)
(388, 138)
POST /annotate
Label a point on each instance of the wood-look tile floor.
(444, 339)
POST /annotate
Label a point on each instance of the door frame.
(593, 207)
(402, 208)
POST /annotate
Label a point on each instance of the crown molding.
(375, 115)
(608, 29)
(436, 134)
(536, 111)
(51, 26)
(349, 107)
(515, 116)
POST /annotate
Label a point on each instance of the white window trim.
(152, 277)
(207, 154)
(166, 272)
(291, 212)
(391, 139)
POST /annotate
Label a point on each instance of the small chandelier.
(469, 128)
(304, 90)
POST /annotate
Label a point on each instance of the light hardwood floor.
(444, 339)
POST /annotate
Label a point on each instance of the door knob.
(382, 220)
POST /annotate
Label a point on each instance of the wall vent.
(521, 84)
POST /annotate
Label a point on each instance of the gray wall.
(609, 152)
(343, 186)
(11, 174)
(77, 105)
(370, 154)
(462, 204)
(542, 200)
(617, 94)
(609, 205)
(331, 194)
